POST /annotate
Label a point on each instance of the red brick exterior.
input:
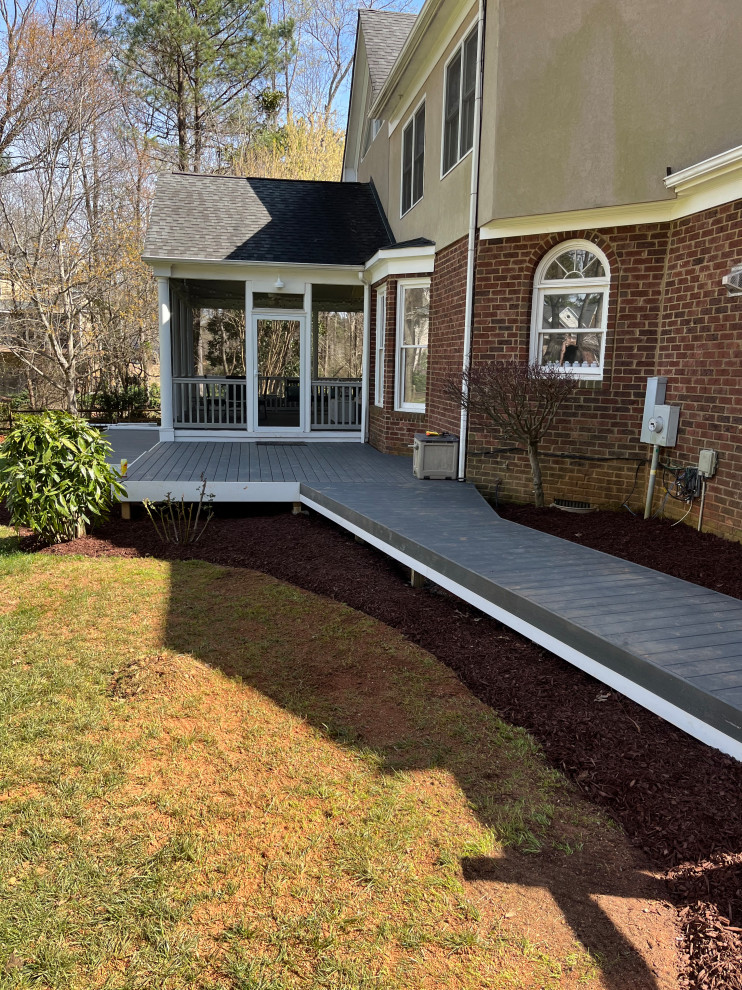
(388, 430)
(701, 354)
(447, 313)
(668, 314)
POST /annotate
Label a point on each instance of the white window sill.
(410, 208)
(456, 164)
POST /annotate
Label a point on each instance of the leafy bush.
(54, 477)
(123, 403)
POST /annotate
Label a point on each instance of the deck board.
(673, 646)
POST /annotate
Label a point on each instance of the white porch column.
(365, 397)
(166, 360)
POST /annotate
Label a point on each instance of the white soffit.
(401, 261)
(710, 183)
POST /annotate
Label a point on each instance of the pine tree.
(196, 62)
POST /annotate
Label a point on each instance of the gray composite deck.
(672, 646)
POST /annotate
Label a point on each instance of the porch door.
(280, 377)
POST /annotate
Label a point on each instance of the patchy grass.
(211, 779)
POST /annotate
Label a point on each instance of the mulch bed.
(679, 801)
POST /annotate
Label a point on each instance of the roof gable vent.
(733, 281)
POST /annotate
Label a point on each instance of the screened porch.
(277, 361)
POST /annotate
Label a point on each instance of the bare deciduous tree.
(520, 399)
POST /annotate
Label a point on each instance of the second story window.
(413, 159)
(458, 109)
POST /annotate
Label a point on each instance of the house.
(553, 181)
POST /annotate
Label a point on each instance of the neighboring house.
(557, 181)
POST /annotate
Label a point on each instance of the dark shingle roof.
(384, 33)
(224, 218)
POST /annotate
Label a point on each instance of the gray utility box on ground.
(435, 458)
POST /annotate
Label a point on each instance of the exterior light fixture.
(278, 283)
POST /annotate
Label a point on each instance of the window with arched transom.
(570, 309)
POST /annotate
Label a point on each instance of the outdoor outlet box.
(660, 422)
(707, 462)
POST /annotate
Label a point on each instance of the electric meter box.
(659, 422)
(662, 426)
(435, 458)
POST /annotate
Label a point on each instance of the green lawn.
(211, 779)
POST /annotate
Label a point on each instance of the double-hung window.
(570, 309)
(413, 159)
(380, 343)
(413, 324)
(458, 107)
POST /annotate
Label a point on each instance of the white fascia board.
(240, 271)
(710, 168)
(459, 13)
(714, 187)
(401, 261)
(550, 223)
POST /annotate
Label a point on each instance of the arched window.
(570, 309)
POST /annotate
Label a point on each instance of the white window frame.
(399, 363)
(380, 347)
(458, 50)
(543, 287)
(412, 123)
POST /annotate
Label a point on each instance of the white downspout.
(472, 246)
(366, 355)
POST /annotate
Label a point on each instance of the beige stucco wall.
(442, 213)
(588, 101)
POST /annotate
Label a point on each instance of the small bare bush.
(520, 399)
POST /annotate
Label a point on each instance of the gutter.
(472, 243)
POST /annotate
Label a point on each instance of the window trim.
(411, 122)
(399, 404)
(543, 287)
(380, 345)
(472, 29)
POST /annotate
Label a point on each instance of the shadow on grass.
(370, 691)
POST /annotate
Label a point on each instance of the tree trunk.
(538, 486)
(182, 124)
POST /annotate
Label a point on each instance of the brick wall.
(600, 425)
(668, 315)
(701, 354)
(447, 316)
(388, 430)
(392, 431)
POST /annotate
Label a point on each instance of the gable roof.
(384, 34)
(274, 221)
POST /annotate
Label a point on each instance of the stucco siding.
(594, 99)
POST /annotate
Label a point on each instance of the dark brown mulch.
(679, 801)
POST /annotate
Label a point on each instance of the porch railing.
(209, 403)
(336, 404)
(221, 403)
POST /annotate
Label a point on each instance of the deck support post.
(296, 509)
(126, 510)
(417, 580)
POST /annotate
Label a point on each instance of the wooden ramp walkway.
(671, 646)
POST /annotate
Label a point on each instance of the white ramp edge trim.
(223, 491)
(690, 724)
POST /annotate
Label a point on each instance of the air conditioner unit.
(733, 281)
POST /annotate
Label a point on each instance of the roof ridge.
(262, 178)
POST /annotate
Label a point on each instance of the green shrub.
(128, 402)
(54, 477)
